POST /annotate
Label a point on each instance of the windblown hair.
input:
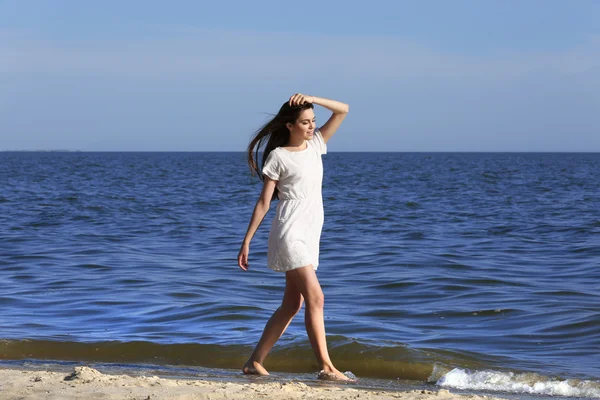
(271, 135)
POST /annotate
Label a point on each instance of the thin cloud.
(210, 54)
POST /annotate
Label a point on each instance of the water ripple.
(488, 257)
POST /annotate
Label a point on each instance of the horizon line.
(337, 151)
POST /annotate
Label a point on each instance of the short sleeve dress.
(296, 228)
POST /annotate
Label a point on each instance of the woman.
(292, 172)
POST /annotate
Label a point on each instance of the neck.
(295, 142)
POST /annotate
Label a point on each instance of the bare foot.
(332, 374)
(254, 368)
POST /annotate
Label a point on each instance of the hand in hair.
(299, 99)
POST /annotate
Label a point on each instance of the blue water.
(433, 265)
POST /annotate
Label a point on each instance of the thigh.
(306, 282)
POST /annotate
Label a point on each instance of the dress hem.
(292, 268)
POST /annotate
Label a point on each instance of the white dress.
(298, 221)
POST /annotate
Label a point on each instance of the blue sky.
(202, 76)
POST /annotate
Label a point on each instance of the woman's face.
(305, 125)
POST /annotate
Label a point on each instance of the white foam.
(519, 383)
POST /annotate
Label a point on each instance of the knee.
(316, 300)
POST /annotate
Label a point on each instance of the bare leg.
(308, 285)
(278, 323)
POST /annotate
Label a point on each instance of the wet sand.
(88, 383)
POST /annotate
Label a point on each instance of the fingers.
(293, 99)
(243, 262)
(298, 99)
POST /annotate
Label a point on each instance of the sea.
(474, 272)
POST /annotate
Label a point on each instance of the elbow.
(264, 204)
(343, 110)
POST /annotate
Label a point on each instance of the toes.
(332, 376)
(254, 369)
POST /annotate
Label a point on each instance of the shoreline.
(82, 382)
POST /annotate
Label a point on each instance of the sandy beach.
(88, 383)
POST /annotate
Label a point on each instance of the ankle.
(328, 367)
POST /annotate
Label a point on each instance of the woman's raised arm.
(339, 110)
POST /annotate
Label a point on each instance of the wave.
(362, 359)
(522, 383)
(449, 369)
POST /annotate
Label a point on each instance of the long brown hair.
(274, 133)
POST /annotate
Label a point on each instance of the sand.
(88, 383)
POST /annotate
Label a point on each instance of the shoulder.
(275, 156)
(319, 142)
(274, 153)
